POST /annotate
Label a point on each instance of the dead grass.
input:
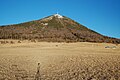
(66, 61)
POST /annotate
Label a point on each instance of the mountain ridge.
(54, 28)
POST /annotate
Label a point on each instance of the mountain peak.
(56, 28)
(58, 15)
(51, 17)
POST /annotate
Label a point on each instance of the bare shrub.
(3, 42)
(6, 41)
(12, 42)
(19, 41)
(37, 76)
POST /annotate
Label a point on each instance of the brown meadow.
(59, 61)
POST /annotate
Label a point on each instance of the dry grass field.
(59, 61)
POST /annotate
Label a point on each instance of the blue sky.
(102, 16)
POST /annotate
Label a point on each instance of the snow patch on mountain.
(46, 19)
(45, 24)
(58, 15)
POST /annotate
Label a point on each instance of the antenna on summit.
(58, 15)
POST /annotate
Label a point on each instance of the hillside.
(54, 28)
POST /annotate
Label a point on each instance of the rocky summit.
(54, 28)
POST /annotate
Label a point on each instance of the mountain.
(54, 28)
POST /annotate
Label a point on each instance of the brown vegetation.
(57, 30)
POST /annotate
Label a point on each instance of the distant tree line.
(54, 35)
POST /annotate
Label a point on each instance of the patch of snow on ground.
(58, 15)
(45, 24)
